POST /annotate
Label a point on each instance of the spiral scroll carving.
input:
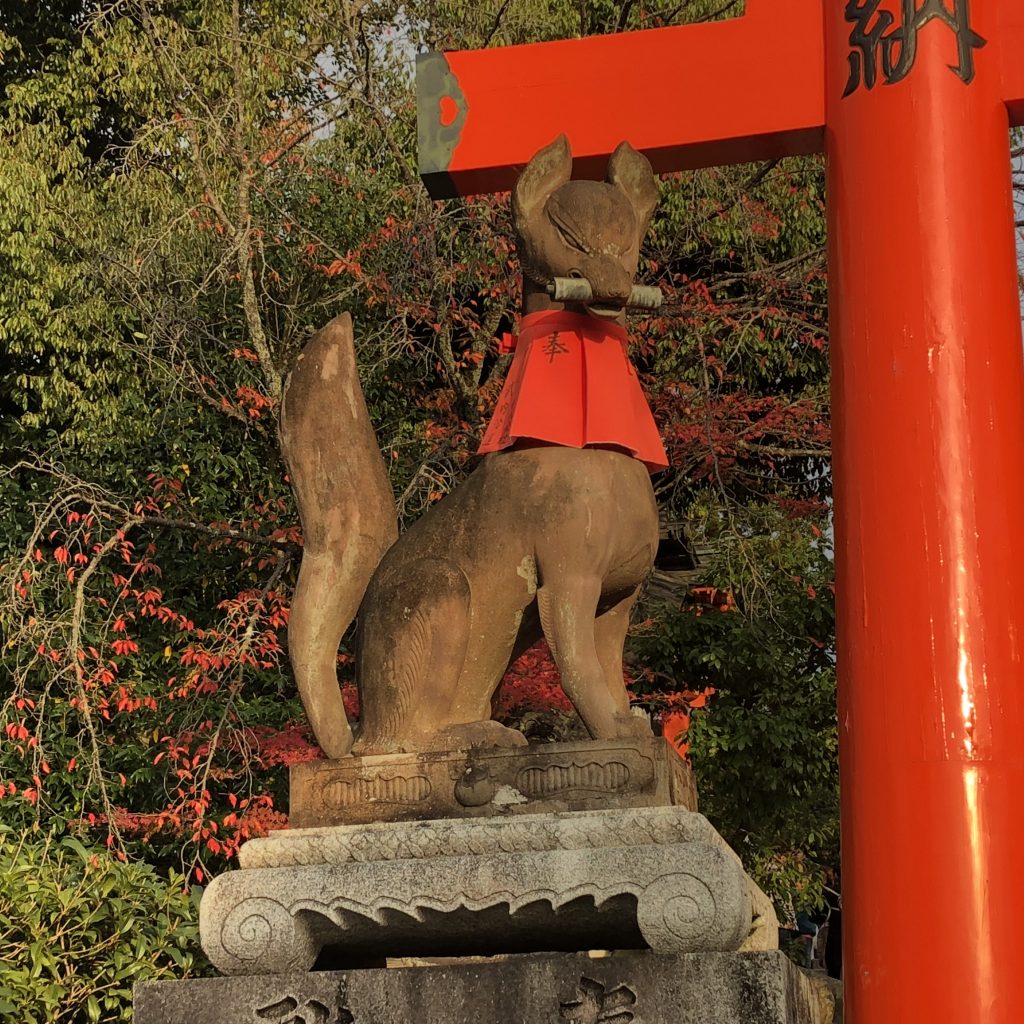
(255, 928)
(678, 913)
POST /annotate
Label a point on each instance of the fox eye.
(569, 235)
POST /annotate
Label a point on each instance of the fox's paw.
(633, 726)
(478, 734)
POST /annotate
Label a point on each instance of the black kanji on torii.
(876, 35)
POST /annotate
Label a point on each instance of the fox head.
(588, 229)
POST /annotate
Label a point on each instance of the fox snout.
(609, 282)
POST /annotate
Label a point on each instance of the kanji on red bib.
(571, 383)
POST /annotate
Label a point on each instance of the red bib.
(571, 383)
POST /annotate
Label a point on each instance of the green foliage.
(81, 928)
(765, 745)
(63, 370)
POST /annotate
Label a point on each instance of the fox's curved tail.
(348, 517)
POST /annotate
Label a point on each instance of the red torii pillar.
(912, 101)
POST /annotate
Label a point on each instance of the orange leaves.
(532, 683)
(737, 434)
(52, 654)
(256, 818)
(16, 731)
(252, 401)
(250, 638)
(702, 599)
(676, 714)
(125, 548)
(350, 699)
(675, 725)
(345, 266)
(167, 492)
(290, 745)
(125, 647)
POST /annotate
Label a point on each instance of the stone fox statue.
(551, 535)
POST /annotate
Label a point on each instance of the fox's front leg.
(568, 609)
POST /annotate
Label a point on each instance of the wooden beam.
(750, 88)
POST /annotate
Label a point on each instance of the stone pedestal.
(583, 776)
(531, 856)
(631, 988)
(647, 877)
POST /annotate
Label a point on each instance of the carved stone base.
(631, 988)
(488, 781)
(625, 879)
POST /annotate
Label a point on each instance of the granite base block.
(658, 878)
(490, 781)
(632, 988)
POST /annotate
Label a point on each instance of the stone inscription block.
(632, 988)
(589, 775)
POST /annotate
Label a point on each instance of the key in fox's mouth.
(579, 289)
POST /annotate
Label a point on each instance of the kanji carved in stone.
(596, 1004)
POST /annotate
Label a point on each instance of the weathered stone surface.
(657, 877)
(444, 609)
(633, 988)
(528, 833)
(588, 775)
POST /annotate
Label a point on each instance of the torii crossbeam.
(912, 101)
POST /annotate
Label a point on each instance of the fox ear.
(550, 168)
(631, 172)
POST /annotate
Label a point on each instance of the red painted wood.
(1011, 48)
(928, 415)
(689, 96)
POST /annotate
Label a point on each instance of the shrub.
(80, 928)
